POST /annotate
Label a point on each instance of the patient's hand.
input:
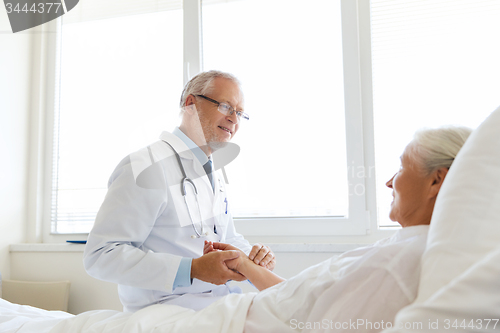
(259, 275)
(260, 254)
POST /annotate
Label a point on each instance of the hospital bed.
(48, 295)
(459, 282)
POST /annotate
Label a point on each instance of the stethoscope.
(187, 181)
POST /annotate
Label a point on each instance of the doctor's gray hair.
(202, 84)
(437, 148)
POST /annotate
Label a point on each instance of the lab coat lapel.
(187, 158)
(179, 146)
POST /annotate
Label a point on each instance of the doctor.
(148, 237)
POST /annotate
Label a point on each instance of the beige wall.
(86, 293)
(15, 65)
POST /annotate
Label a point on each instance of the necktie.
(209, 170)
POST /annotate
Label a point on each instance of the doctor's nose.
(232, 117)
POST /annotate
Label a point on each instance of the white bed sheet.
(14, 317)
(224, 316)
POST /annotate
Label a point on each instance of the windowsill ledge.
(46, 247)
(276, 247)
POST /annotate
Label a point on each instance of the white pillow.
(465, 229)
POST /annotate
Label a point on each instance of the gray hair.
(437, 148)
(202, 84)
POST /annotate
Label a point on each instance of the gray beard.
(214, 145)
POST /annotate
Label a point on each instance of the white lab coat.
(143, 229)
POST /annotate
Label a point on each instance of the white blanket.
(23, 318)
(360, 291)
(224, 316)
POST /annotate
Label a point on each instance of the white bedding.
(362, 286)
(13, 317)
(226, 315)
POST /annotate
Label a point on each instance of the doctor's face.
(217, 127)
(410, 191)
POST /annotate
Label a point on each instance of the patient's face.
(410, 191)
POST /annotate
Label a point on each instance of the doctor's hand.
(216, 246)
(262, 255)
(212, 268)
(233, 264)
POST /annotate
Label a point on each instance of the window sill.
(277, 247)
(46, 247)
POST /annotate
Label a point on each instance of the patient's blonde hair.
(437, 148)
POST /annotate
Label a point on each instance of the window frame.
(362, 218)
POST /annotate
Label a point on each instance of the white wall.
(15, 64)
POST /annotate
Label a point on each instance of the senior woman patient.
(363, 289)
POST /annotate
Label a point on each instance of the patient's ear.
(438, 177)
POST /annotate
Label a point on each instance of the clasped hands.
(222, 262)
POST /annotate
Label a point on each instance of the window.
(120, 81)
(308, 89)
(434, 63)
(293, 159)
(119, 86)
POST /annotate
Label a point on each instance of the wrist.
(243, 266)
(194, 266)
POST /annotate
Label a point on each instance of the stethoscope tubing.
(184, 182)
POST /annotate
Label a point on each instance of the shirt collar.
(200, 155)
(411, 231)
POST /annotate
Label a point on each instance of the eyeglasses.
(226, 109)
